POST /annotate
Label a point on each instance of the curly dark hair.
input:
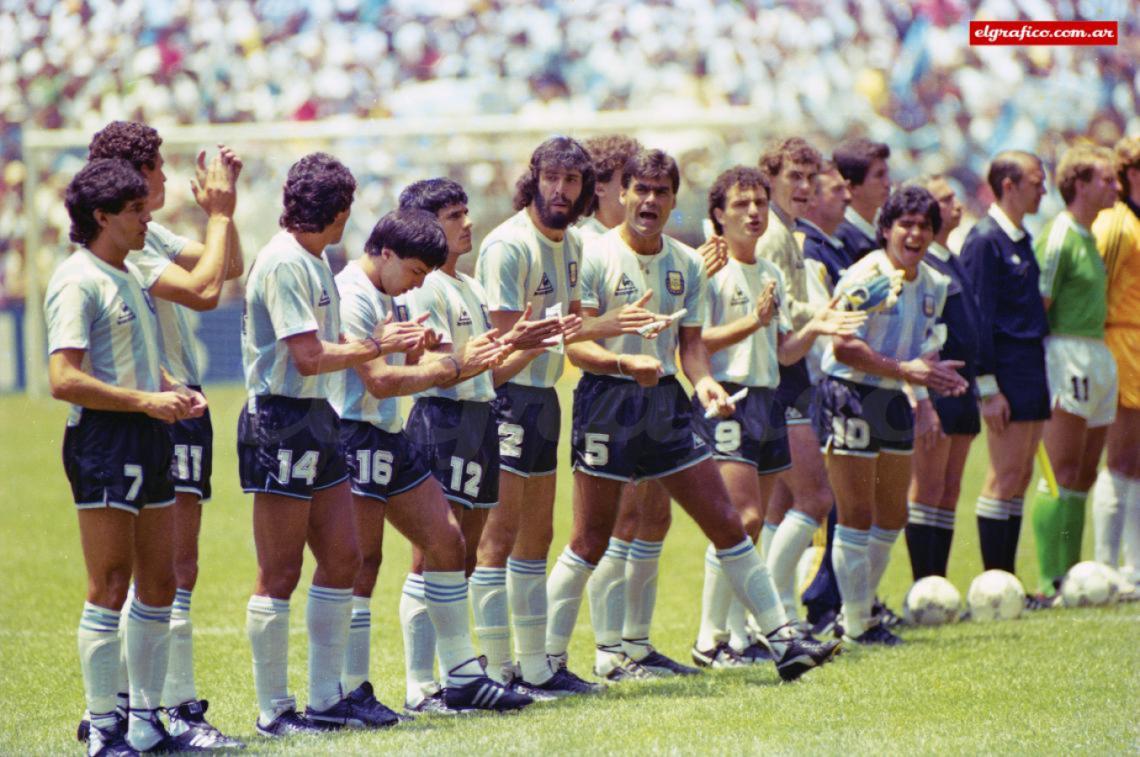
(132, 141)
(910, 198)
(558, 152)
(791, 150)
(318, 189)
(745, 177)
(853, 158)
(105, 184)
(410, 233)
(651, 164)
(433, 195)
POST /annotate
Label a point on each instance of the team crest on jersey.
(572, 273)
(674, 282)
(464, 318)
(126, 315)
(928, 305)
(544, 286)
(739, 297)
(325, 299)
(625, 286)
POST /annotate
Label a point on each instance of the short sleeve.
(287, 298)
(68, 311)
(502, 270)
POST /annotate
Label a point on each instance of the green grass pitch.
(1052, 683)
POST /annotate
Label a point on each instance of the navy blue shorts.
(755, 434)
(1022, 378)
(193, 454)
(796, 393)
(864, 420)
(530, 420)
(958, 415)
(381, 464)
(461, 441)
(289, 445)
(119, 460)
(627, 432)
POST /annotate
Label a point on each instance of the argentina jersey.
(92, 306)
(363, 308)
(290, 291)
(732, 294)
(898, 332)
(162, 246)
(519, 264)
(613, 275)
(455, 309)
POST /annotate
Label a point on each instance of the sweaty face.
(558, 190)
(156, 183)
(948, 204)
(126, 230)
(907, 240)
(648, 203)
(832, 196)
(398, 275)
(876, 186)
(791, 188)
(456, 223)
(745, 214)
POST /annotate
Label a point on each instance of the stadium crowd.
(902, 72)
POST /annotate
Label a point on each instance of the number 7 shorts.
(863, 420)
(119, 460)
(626, 432)
(1082, 378)
(289, 445)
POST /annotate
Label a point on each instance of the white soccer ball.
(995, 595)
(1087, 584)
(805, 568)
(932, 601)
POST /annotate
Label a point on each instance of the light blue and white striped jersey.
(363, 307)
(732, 294)
(613, 275)
(289, 292)
(456, 310)
(519, 264)
(898, 332)
(92, 306)
(182, 357)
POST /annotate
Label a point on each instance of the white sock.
(1108, 515)
(267, 625)
(767, 534)
(640, 596)
(879, 555)
(852, 568)
(752, 584)
(419, 641)
(606, 590)
(526, 592)
(179, 687)
(446, 594)
(793, 536)
(488, 588)
(148, 650)
(328, 615)
(358, 649)
(99, 658)
(1130, 542)
(564, 595)
(715, 598)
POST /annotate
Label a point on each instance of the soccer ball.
(1087, 584)
(804, 568)
(995, 595)
(932, 601)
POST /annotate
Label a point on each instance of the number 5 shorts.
(756, 433)
(289, 445)
(461, 441)
(863, 420)
(1082, 378)
(626, 432)
(119, 460)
